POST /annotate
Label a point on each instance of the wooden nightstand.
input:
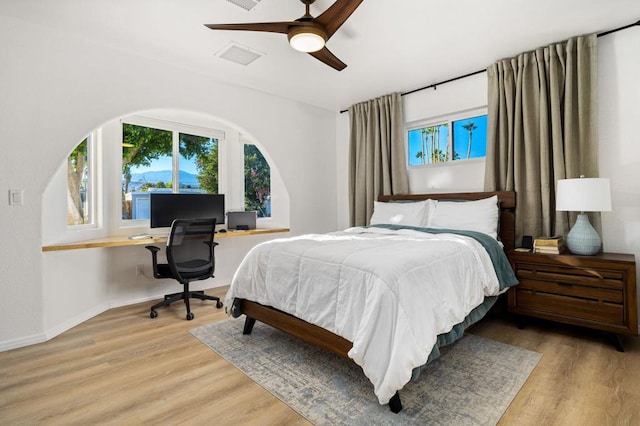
(598, 291)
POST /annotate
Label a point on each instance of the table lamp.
(583, 195)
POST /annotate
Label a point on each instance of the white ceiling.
(388, 45)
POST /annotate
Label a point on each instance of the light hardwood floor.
(122, 367)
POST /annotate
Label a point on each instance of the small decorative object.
(583, 195)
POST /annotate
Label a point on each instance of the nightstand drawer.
(573, 290)
(586, 277)
(565, 306)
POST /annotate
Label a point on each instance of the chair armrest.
(154, 258)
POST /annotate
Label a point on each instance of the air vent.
(239, 54)
(245, 4)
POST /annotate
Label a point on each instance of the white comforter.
(391, 293)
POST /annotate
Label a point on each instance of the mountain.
(154, 176)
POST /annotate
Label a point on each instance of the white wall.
(464, 175)
(463, 95)
(55, 89)
(619, 115)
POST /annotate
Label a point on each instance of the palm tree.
(446, 153)
(470, 127)
(425, 149)
(436, 144)
(440, 156)
(431, 131)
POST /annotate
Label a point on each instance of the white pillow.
(411, 214)
(480, 215)
(431, 209)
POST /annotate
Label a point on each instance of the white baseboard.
(54, 331)
(78, 319)
(20, 342)
(120, 303)
(58, 329)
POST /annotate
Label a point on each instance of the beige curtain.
(377, 162)
(542, 126)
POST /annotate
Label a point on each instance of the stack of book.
(548, 245)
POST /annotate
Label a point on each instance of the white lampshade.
(583, 195)
(307, 38)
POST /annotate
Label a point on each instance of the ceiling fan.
(306, 34)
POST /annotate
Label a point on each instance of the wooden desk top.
(125, 241)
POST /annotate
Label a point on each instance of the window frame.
(243, 140)
(244, 143)
(176, 129)
(448, 119)
(91, 197)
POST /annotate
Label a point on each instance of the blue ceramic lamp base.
(583, 238)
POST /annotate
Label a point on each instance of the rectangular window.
(451, 139)
(429, 145)
(198, 164)
(79, 188)
(257, 181)
(160, 160)
(469, 138)
(147, 164)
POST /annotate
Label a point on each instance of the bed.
(360, 292)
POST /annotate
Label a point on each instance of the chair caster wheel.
(190, 316)
(218, 304)
(153, 314)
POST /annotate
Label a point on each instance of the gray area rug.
(472, 383)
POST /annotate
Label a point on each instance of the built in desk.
(123, 241)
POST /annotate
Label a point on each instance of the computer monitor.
(165, 208)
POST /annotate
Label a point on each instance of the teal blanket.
(504, 272)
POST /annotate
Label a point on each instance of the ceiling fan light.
(307, 39)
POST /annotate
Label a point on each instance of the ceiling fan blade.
(270, 27)
(329, 58)
(333, 18)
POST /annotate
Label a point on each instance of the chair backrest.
(190, 249)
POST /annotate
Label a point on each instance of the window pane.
(146, 165)
(470, 138)
(257, 182)
(198, 164)
(77, 178)
(429, 145)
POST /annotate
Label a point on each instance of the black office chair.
(189, 258)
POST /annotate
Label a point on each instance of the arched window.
(80, 184)
(176, 153)
(257, 181)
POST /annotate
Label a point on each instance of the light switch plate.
(16, 197)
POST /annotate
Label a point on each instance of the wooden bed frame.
(325, 339)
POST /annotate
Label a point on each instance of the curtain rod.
(435, 85)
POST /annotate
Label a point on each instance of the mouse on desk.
(222, 231)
